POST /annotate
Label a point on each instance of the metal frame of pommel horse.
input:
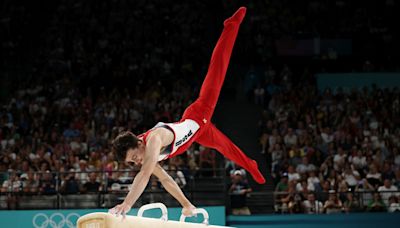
(107, 220)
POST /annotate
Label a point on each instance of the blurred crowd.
(93, 69)
(102, 68)
(325, 144)
(50, 129)
(174, 39)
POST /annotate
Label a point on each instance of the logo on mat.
(56, 220)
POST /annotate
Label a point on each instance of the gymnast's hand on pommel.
(120, 209)
(152, 150)
(188, 210)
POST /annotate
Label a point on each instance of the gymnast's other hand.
(120, 209)
(188, 211)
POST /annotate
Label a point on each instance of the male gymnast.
(166, 140)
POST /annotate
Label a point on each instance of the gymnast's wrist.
(127, 203)
(187, 204)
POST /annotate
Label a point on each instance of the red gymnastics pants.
(202, 109)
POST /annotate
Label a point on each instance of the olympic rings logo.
(56, 220)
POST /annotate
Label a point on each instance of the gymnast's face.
(136, 155)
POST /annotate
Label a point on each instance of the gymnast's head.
(128, 148)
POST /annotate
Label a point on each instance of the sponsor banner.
(68, 218)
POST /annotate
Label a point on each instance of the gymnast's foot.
(237, 17)
(255, 173)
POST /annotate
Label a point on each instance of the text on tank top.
(183, 132)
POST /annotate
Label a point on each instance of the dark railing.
(61, 190)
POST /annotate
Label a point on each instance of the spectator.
(13, 184)
(343, 189)
(339, 159)
(48, 183)
(154, 196)
(69, 185)
(323, 195)
(351, 204)
(110, 164)
(287, 198)
(92, 186)
(193, 165)
(177, 175)
(376, 204)
(387, 190)
(305, 166)
(295, 204)
(239, 191)
(326, 168)
(94, 162)
(292, 174)
(333, 204)
(326, 135)
(365, 190)
(3, 170)
(387, 171)
(193, 159)
(276, 157)
(282, 186)
(303, 188)
(113, 182)
(207, 161)
(396, 154)
(274, 138)
(30, 182)
(311, 205)
(397, 179)
(351, 177)
(333, 179)
(374, 177)
(290, 138)
(70, 132)
(244, 173)
(359, 161)
(394, 205)
(313, 182)
(82, 172)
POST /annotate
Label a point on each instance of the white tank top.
(183, 132)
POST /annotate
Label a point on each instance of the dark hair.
(122, 143)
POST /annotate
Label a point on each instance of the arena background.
(311, 93)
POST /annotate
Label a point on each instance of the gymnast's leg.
(214, 138)
(210, 90)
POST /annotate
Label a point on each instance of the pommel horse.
(107, 220)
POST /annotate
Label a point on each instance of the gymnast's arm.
(149, 162)
(172, 187)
